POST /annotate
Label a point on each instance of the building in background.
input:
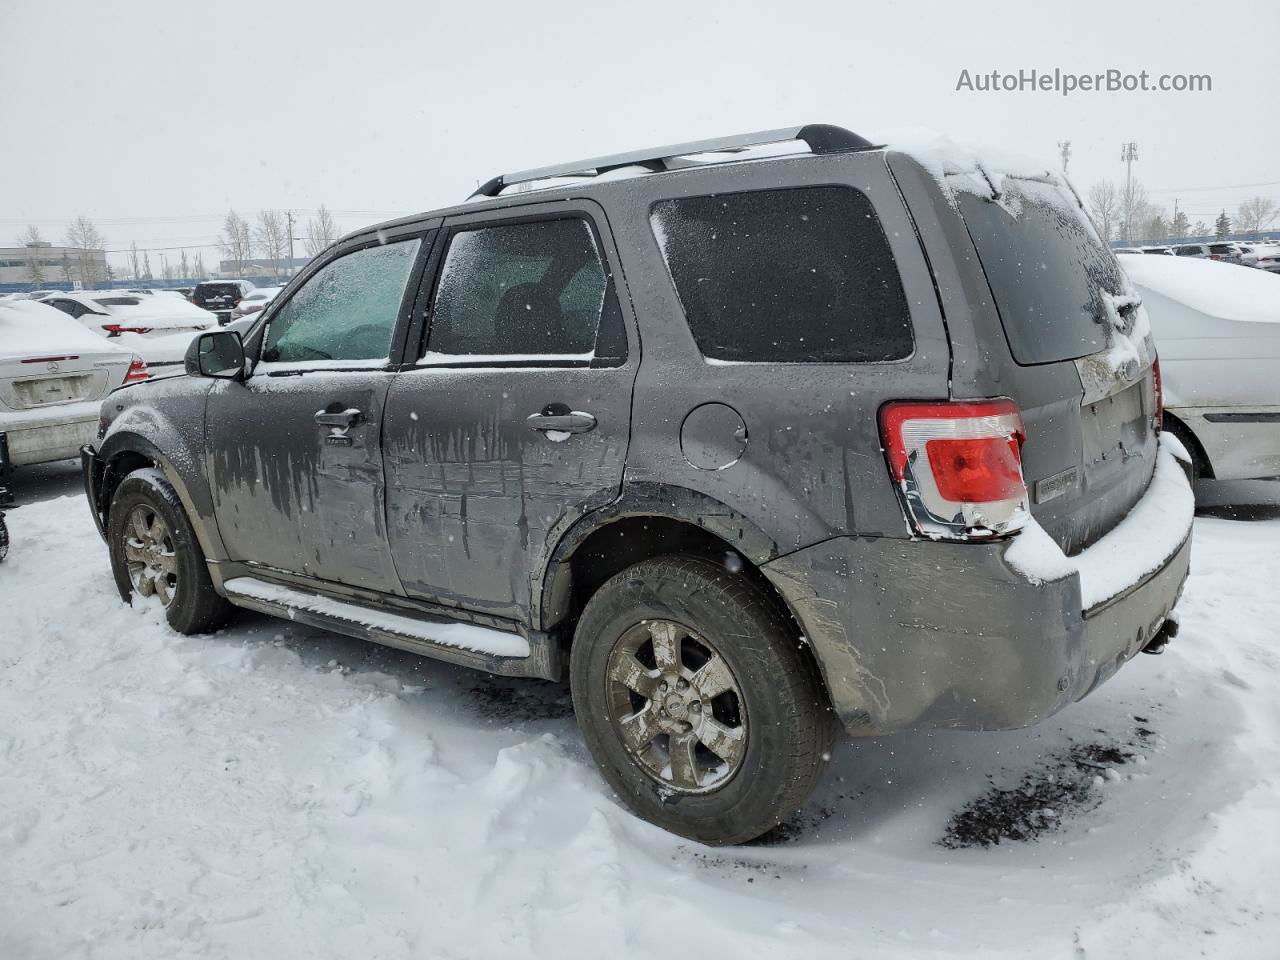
(48, 266)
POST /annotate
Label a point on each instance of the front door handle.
(343, 419)
(559, 418)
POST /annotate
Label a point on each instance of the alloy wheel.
(150, 555)
(677, 707)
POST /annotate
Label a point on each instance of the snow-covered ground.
(274, 791)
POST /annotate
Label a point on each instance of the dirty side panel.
(794, 447)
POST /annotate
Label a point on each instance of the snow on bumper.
(922, 634)
(1139, 544)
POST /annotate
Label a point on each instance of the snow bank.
(1225, 290)
(274, 791)
(1140, 543)
(28, 329)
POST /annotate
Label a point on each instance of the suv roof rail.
(822, 138)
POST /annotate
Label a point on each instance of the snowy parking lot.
(276, 791)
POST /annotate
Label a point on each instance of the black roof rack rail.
(822, 138)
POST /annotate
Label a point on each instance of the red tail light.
(137, 371)
(115, 329)
(1158, 419)
(958, 466)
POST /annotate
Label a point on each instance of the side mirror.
(218, 354)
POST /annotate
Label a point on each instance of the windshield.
(1047, 270)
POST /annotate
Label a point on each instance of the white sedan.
(1217, 331)
(53, 376)
(159, 328)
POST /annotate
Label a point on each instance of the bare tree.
(321, 231)
(135, 265)
(34, 262)
(1104, 207)
(197, 266)
(236, 240)
(1199, 229)
(184, 266)
(83, 235)
(1154, 228)
(1134, 209)
(146, 265)
(1255, 215)
(272, 236)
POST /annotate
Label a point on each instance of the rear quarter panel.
(813, 466)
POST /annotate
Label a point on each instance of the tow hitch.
(1168, 630)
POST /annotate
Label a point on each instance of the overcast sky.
(153, 117)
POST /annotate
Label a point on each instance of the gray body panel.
(455, 505)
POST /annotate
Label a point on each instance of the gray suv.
(742, 443)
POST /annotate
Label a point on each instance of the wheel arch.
(648, 521)
(1179, 428)
(125, 451)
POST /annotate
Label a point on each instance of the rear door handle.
(344, 419)
(558, 417)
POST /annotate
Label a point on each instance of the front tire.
(154, 552)
(697, 701)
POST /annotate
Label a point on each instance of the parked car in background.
(1264, 256)
(254, 300)
(220, 296)
(1218, 330)
(808, 498)
(1225, 251)
(1127, 250)
(53, 376)
(1166, 251)
(158, 328)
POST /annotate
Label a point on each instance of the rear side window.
(799, 275)
(1188, 251)
(1047, 270)
(535, 289)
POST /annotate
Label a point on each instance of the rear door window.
(537, 289)
(1047, 269)
(1188, 251)
(797, 275)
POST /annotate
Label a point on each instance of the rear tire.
(154, 551)
(718, 767)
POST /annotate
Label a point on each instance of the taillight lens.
(1158, 420)
(115, 329)
(958, 466)
(137, 371)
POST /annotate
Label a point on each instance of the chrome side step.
(467, 644)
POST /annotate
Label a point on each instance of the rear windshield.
(796, 275)
(1047, 270)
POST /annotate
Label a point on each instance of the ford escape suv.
(744, 439)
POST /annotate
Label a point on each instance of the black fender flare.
(127, 441)
(650, 499)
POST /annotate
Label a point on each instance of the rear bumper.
(50, 433)
(929, 635)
